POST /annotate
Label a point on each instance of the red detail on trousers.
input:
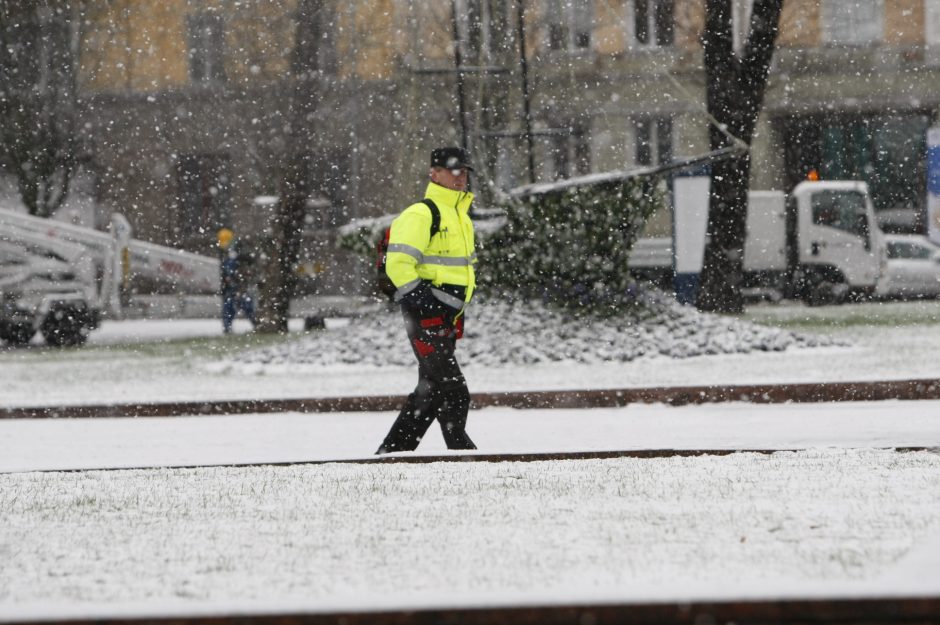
(423, 348)
(458, 329)
(432, 322)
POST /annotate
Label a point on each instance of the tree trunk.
(283, 250)
(735, 92)
(723, 268)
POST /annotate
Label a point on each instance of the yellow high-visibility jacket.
(447, 258)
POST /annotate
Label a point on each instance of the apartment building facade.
(186, 102)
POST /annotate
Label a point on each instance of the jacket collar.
(443, 196)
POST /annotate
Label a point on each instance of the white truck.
(820, 244)
(60, 280)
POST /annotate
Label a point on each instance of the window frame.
(850, 25)
(658, 36)
(204, 186)
(205, 41)
(653, 140)
(574, 32)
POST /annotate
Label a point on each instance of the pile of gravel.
(499, 333)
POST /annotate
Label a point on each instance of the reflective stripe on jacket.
(447, 258)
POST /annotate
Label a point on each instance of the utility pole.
(458, 66)
(524, 71)
(499, 49)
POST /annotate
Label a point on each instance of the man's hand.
(422, 300)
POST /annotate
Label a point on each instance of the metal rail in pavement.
(868, 611)
(604, 398)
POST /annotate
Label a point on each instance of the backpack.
(384, 284)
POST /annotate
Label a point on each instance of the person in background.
(430, 261)
(232, 282)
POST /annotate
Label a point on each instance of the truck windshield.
(844, 210)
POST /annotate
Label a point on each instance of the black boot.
(408, 429)
(452, 415)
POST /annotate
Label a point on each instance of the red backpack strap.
(381, 248)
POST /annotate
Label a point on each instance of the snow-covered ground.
(823, 522)
(848, 343)
(842, 517)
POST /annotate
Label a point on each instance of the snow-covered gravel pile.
(369, 534)
(499, 333)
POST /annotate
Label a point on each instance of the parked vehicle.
(821, 244)
(60, 280)
(913, 269)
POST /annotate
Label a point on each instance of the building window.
(653, 139)
(329, 175)
(206, 48)
(569, 25)
(571, 150)
(860, 22)
(470, 25)
(561, 156)
(203, 196)
(932, 24)
(932, 33)
(653, 23)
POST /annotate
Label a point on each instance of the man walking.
(430, 261)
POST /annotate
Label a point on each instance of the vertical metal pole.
(524, 69)
(458, 63)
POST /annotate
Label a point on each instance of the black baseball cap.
(450, 158)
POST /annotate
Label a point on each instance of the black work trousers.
(441, 392)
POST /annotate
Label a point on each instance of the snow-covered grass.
(825, 319)
(147, 361)
(368, 536)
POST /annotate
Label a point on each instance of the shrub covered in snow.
(500, 332)
(570, 247)
(567, 246)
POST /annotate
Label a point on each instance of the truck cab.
(836, 249)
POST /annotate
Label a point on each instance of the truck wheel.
(17, 334)
(825, 293)
(64, 327)
(314, 322)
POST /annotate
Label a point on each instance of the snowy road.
(60, 444)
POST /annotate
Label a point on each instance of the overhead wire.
(484, 172)
(683, 96)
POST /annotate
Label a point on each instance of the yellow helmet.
(225, 237)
